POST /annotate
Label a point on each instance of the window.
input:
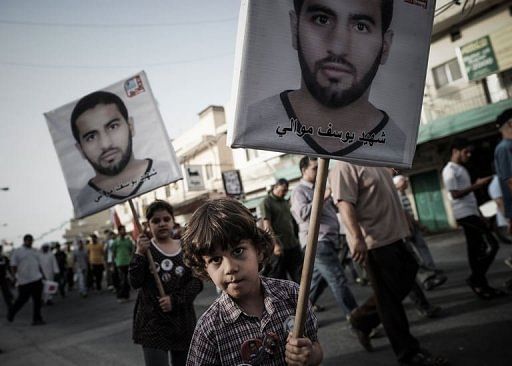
(455, 34)
(251, 154)
(208, 170)
(446, 73)
(168, 191)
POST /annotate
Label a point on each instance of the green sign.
(479, 59)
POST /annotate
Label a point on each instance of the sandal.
(495, 292)
(482, 292)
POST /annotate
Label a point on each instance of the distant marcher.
(95, 253)
(60, 277)
(26, 265)
(6, 279)
(278, 220)
(112, 276)
(50, 268)
(81, 267)
(163, 324)
(177, 231)
(376, 228)
(327, 264)
(250, 322)
(429, 275)
(122, 250)
(500, 227)
(70, 263)
(481, 244)
(503, 164)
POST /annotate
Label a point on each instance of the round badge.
(252, 351)
(167, 264)
(179, 271)
(270, 343)
(166, 277)
(288, 324)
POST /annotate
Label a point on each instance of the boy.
(249, 322)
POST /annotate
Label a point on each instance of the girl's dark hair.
(221, 224)
(157, 206)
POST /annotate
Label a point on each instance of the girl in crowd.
(163, 325)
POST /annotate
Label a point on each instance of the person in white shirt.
(481, 244)
(26, 265)
(81, 266)
(50, 268)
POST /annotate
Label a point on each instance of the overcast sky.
(55, 51)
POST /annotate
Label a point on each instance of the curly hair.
(221, 224)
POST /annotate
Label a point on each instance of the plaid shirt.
(222, 329)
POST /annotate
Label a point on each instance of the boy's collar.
(231, 311)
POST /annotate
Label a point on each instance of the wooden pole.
(309, 257)
(148, 252)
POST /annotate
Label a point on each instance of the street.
(97, 330)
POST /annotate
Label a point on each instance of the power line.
(119, 25)
(440, 10)
(51, 231)
(90, 67)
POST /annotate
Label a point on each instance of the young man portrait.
(340, 47)
(103, 132)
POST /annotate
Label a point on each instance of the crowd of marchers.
(367, 230)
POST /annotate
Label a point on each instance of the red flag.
(135, 231)
(114, 218)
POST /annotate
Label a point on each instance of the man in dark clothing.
(60, 277)
(376, 228)
(503, 163)
(278, 220)
(5, 278)
(26, 265)
(481, 244)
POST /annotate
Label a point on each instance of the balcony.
(460, 110)
(458, 101)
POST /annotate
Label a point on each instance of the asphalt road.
(97, 330)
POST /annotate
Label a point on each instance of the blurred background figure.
(112, 278)
(81, 267)
(500, 224)
(123, 250)
(429, 275)
(50, 268)
(26, 265)
(6, 278)
(70, 262)
(96, 256)
(60, 277)
(277, 219)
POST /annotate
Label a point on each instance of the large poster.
(341, 79)
(112, 145)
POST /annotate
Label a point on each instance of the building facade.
(468, 84)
